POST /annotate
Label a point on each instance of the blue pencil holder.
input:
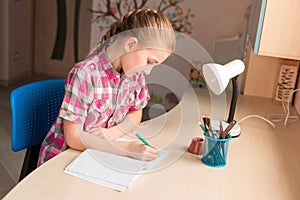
(215, 151)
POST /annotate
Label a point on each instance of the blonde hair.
(159, 28)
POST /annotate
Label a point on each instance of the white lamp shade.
(217, 76)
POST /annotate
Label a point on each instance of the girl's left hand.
(106, 133)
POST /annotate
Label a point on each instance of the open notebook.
(110, 170)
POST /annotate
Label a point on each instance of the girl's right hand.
(142, 152)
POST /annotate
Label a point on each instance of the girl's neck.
(116, 64)
(114, 56)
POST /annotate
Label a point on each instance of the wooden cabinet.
(15, 39)
(260, 76)
(297, 97)
(31, 31)
(274, 28)
(62, 35)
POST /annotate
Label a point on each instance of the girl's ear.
(130, 44)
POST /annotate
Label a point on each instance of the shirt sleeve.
(141, 95)
(78, 96)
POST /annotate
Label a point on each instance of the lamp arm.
(233, 99)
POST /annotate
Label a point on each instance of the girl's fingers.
(144, 152)
(151, 153)
(153, 150)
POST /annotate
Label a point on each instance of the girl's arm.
(129, 123)
(78, 139)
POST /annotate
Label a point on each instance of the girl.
(100, 105)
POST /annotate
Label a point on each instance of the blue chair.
(34, 108)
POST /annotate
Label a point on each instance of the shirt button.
(93, 66)
(101, 109)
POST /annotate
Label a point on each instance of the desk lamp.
(217, 78)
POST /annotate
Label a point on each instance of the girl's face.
(142, 60)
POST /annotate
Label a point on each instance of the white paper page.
(86, 167)
(116, 162)
(100, 168)
(110, 170)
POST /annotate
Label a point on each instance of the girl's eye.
(151, 62)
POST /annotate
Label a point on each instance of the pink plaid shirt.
(96, 95)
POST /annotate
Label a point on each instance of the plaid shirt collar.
(109, 69)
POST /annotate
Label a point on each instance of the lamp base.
(234, 132)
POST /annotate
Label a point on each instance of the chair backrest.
(34, 107)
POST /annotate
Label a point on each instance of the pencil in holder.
(215, 151)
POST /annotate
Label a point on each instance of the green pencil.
(202, 127)
(142, 139)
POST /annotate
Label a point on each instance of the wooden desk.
(262, 164)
